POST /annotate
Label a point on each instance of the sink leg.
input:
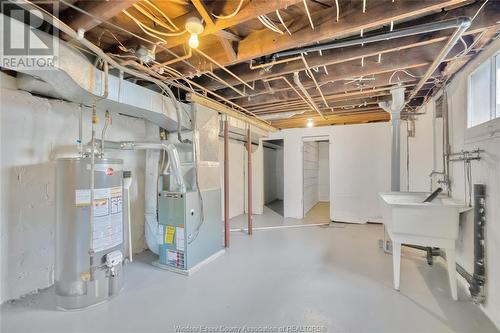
(452, 272)
(396, 263)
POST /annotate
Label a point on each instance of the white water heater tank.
(88, 271)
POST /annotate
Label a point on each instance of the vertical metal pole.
(249, 173)
(396, 152)
(226, 183)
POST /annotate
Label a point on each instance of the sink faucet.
(443, 181)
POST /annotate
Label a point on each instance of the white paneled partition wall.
(310, 164)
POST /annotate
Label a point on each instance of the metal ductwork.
(394, 107)
(75, 79)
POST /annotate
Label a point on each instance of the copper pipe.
(249, 174)
(227, 230)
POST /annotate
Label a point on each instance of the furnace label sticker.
(169, 234)
(179, 238)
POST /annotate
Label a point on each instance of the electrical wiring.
(268, 24)
(152, 17)
(142, 27)
(162, 14)
(150, 31)
(139, 37)
(337, 8)
(478, 11)
(308, 14)
(405, 72)
(282, 22)
(121, 46)
(223, 17)
(469, 48)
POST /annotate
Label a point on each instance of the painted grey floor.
(336, 277)
(276, 206)
(319, 214)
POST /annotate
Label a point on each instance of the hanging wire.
(268, 24)
(161, 13)
(403, 71)
(337, 8)
(144, 11)
(282, 22)
(308, 14)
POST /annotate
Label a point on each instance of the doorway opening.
(273, 175)
(316, 179)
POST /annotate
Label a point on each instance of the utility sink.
(409, 220)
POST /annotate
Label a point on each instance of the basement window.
(479, 91)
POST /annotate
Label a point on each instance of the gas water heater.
(89, 231)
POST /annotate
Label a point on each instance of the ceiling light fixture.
(195, 27)
(310, 122)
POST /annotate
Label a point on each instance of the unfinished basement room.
(253, 166)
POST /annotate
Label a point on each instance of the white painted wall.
(34, 131)
(486, 171)
(421, 161)
(257, 179)
(236, 177)
(324, 172)
(361, 168)
(310, 155)
(354, 187)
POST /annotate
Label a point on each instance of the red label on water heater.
(109, 171)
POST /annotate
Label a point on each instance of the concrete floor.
(276, 206)
(335, 277)
(319, 214)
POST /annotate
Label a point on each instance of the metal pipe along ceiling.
(421, 29)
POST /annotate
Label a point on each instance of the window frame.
(490, 128)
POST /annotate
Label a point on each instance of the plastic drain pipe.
(394, 107)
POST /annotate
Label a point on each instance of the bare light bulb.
(193, 41)
(310, 123)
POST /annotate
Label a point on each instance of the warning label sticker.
(108, 218)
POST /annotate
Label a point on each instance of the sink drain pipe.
(476, 287)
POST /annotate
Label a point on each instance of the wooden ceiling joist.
(105, 10)
(330, 57)
(348, 82)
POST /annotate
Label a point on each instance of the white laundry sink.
(409, 220)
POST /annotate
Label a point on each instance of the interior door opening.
(316, 179)
(273, 175)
